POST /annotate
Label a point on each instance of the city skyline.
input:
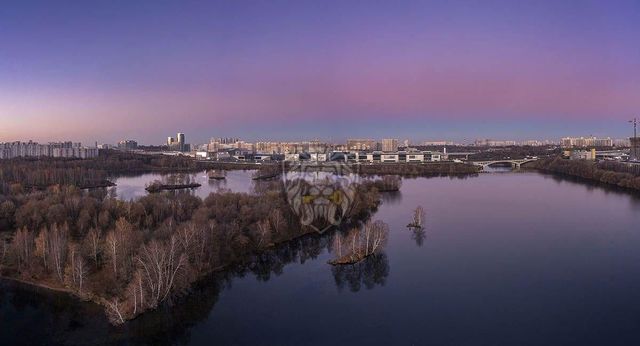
(351, 143)
(332, 70)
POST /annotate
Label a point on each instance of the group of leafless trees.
(360, 242)
(132, 256)
(417, 220)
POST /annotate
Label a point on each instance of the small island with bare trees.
(358, 244)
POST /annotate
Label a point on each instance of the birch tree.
(58, 248)
(161, 263)
(23, 246)
(43, 247)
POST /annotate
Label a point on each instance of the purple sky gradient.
(92, 70)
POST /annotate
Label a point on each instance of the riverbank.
(46, 286)
(103, 302)
(405, 169)
(193, 241)
(605, 173)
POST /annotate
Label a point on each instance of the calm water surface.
(506, 259)
(134, 187)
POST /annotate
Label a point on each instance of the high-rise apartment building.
(389, 144)
(54, 149)
(179, 143)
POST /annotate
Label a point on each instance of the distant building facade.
(179, 143)
(493, 143)
(11, 150)
(583, 142)
(582, 154)
(437, 143)
(127, 144)
(389, 144)
(291, 147)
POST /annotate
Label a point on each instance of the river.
(507, 258)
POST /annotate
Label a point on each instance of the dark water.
(506, 259)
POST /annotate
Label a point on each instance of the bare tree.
(81, 270)
(77, 270)
(43, 246)
(23, 246)
(263, 230)
(278, 222)
(121, 243)
(160, 264)
(112, 244)
(58, 243)
(187, 237)
(361, 243)
(93, 239)
(113, 311)
(136, 292)
(418, 217)
(377, 232)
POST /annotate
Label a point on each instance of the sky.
(290, 70)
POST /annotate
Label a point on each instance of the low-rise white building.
(389, 158)
(318, 157)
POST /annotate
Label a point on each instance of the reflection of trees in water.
(178, 178)
(418, 235)
(171, 323)
(274, 261)
(592, 185)
(263, 186)
(391, 197)
(370, 272)
(217, 183)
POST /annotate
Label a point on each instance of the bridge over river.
(514, 163)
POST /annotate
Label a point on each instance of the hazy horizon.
(291, 70)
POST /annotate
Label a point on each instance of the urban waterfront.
(505, 258)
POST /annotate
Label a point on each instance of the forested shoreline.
(606, 172)
(133, 256)
(40, 173)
